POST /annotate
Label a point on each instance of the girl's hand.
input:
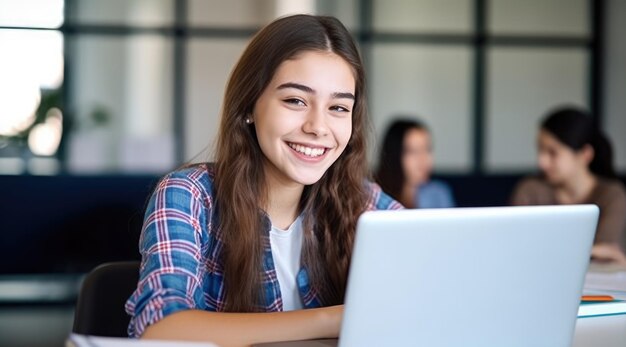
(608, 252)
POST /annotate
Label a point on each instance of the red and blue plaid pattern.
(181, 244)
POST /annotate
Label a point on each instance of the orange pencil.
(596, 298)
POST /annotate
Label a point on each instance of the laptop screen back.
(500, 276)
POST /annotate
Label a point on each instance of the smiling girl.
(256, 247)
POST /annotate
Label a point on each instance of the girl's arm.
(244, 329)
(608, 252)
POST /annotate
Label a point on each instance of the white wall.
(539, 17)
(133, 76)
(432, 83)
(523, 84)
(131, 79)
(209, 63)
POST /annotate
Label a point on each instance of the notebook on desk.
(601, 308)
(507, 276)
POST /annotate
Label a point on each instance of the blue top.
(434, 194)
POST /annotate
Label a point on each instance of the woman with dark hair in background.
(269, 227)
(576, 163)
(406, 162)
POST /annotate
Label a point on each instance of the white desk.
(606, 331)
(603, 331)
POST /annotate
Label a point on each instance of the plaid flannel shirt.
(181, 245)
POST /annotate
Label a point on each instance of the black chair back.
(100, 307)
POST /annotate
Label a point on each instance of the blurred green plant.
(100, 116)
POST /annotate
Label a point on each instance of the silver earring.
(248, 120)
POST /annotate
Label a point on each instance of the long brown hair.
(331, 206)
(390, 174)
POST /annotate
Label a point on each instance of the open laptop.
(502, 276)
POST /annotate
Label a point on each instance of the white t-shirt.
(286, 249)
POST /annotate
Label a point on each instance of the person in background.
(405, 166)
(576, 164)
(255, 247)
